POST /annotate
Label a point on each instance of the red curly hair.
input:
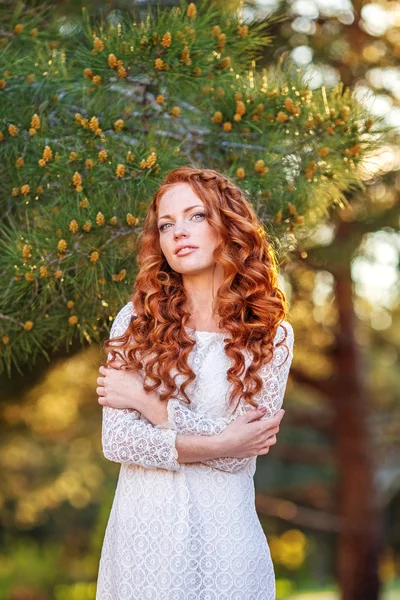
(249, 303)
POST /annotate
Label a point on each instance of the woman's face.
(182, 222)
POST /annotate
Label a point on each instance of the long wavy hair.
(249, 304)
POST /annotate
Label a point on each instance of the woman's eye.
(162, 227)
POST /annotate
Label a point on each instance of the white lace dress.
(187, 531)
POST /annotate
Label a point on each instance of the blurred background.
(328, 494)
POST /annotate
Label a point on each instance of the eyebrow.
(185, 211)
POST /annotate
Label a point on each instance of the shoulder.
(122, 320)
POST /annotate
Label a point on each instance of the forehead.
(178, 197)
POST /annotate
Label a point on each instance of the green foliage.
(92, 117)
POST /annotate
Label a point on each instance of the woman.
(207, 343)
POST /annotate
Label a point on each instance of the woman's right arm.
(126, 438)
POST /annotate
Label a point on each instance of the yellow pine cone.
(25, 189)
(175, 111)
(112, 61)
(62, 246)
(18, 29)
(58, 274)
(129, 156)
(94, 256)
(42, 162)
(113, 221)
(98, 44)
(72, 320)
(19, 162)
(323, 152)
(97, 79)
(216, 31)
(47, 153)
(102, 156)
(240, 173)
(89, 163)
(43, 271)
(282, 117)
(260, 167)
(2, 84)
(185, 56)
(87, 226)
(28, 325)
(166, 40)
(73, 156)
(94, 123)
(242, 31)
(217, 118)
(73, 226)
(84, 203)
(120, 170)
(225, 62)
(122, 72)
(240, 108)
(227, 126)
(29, 277)
(13, 130)
(35, 121)
(100, 219)
(221, 42)
(191, 10)
(88, 73)
(160, 99)
(131, 220)
(5, 339)
(76, 179)
(70, 304)
(160, 65)
(120, 276)
(27, 251)
(237, 118)
(15, 191)
(119, 124)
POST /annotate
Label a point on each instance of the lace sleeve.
(126, 438)
(274, 376)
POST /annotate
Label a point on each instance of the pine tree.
(92, 119)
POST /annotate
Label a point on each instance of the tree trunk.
(359, 541)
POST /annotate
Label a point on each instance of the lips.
(185, 250)
(188, 247)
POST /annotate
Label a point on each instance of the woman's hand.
(246, 436)
(118, 388)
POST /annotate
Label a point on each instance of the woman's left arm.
(274, 376)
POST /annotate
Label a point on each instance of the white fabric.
(187, 531)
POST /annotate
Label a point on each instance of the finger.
(101, 381)
(103, 370)
(102, 401)
(271, 440)
(275, 420)
(271, 430)
(254, 414)
(100, 391)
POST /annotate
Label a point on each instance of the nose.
(179, 231)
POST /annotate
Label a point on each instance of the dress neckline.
(205, 333)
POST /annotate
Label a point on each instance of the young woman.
(191, 394)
